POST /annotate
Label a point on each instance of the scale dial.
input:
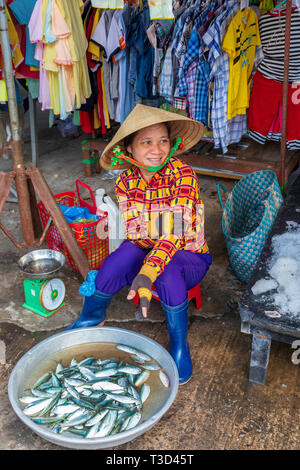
(52, 294)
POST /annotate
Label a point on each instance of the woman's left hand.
(142, 285)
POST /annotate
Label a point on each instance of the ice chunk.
(264, 285)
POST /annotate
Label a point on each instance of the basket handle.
(92, 207)
(219, 187)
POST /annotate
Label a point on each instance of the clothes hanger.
(244, 4)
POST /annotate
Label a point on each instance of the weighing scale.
(44, 293)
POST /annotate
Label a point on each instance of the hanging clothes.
(240, 42)
(17, 56)
(22, 12)
(57, 29)
(272, 33)
(265, 112)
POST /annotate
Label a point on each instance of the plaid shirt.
(164, 215)
(194, 84)
(224, 131)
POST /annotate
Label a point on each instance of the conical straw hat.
(143, 116)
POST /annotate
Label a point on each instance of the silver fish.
(48, 419)
(151, 366)
(37, 407)
(142, 378)
(145, 392)
(121, 398)
(92, 431)
(107, 386)
(106, 372)
(128, 349)
(134, 420)
(42, 380)
(164, 379)
(87, 373)
(92, 397)
(107, 424)
(142, 355)
(132, 370)
(96, 419)
(78, 417)
(29, 399)
(65, 409)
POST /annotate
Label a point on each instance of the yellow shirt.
(240, 43)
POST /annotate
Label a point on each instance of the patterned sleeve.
(134, 225)
(185, 194)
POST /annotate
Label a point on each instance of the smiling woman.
(159, 199)
(149, 146)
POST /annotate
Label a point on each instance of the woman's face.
(151, 145)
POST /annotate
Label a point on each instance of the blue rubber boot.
(93, 311)
(177, 321)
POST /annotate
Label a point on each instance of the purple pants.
(185, 270)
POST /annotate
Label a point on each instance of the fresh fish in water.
(142, 378)
(107, 386)
(93, 397)
(37, 407)
(96, 419)
(134, 420)
(132, 370)
(136, 352)
(145, 392)
(151, 366)
(106, 426)
(164, 379)
(121, 398)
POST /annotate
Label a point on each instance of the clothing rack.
(238, 161)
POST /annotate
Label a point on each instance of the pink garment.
(59, 26)
(39, 51)
(63, 54)
(61, 31)
(44, 94)
(35, 24)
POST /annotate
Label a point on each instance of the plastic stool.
(194, 293)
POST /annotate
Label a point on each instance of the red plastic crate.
(95, 249)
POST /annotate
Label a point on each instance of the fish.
(145, 392)
(151, 366)
(132, 370)
(92, 397)
(107, 424)
(142, 378)
(134, 420)
(164, 378)
(37, 407)
(134, 351)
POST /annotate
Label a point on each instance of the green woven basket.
(248, 216)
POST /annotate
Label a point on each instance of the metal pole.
(33, 133)
(9, 78)
(16, 146)
(285, 90)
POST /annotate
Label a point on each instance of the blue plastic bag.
(73, 213)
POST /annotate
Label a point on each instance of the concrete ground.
(218, 408)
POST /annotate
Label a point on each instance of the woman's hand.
(142, 284)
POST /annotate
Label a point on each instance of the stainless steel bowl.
(32, 360)
(40, 264)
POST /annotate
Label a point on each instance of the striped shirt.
(272, 32)
(164, 215)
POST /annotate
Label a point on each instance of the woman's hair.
(129, 138)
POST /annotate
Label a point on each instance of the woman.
(159, 198)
